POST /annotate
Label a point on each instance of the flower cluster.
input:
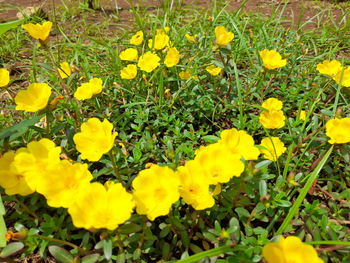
(272, 117)
(149, 60)
(336, 71)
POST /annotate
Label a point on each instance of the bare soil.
(315, 13)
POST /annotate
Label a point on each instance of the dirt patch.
(309, 14)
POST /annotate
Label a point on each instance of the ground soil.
(315, 13)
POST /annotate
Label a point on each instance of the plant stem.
(115, 168)
(29, 211)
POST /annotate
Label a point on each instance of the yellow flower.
(273, 117)
(38, 31)
(34, 98)
(191, 38)
(338, 130)
(129, 72)
(99, 206)
(95, 139)
(185, 75)
(344, 75)
(137, 39)
(161, 40)
(219, 163)
(10, 178)
(172, 57)
(194, 187)
(87, 90)
(302, 115)
(64, 70)
(163, 30)
(148, 62)
(274, 148)
(290, 250)
(272, 104)
(4, 77)
(329, 67)
(222, 36)
(63, 182)
(33, 161)
(129, 54)
(272, 59)
(155, 190)
(213, 70)
(239, 142)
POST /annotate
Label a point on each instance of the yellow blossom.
(10, 178)
(239, 142)
(185, 75)
(137, 39)
(34, 98)
(38, 31)
(274, 148)
(191, 38)
(194, 186)
(172, 57)
(129, 54)
(64, 70)
(33, 161)
(213, 70)
(338, 130)
(64, 182)
(87, 90)
(155, 190)
(272, 59)
(161, 40)
(290, 250)
(272, 117)
(302, 115)
(272, 104)
(329, 67)
(219, 163)
(344, 76)
(95, 139)
(128, 72)
(148, 62)
(222, 36)
(4, 77)
(99, 206)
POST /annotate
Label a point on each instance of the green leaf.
(129, 228)
(3, 228)
(61, 254)
(210, 138)
(11, 249)
(107, 249)
(4, 27)
(304, 191)
(209, 253)
(19, 129)
(90, 258)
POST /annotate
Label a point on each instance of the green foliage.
(166, 127)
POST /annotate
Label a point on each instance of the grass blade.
(303, 192)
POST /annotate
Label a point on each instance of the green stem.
(29, 211)
(205, 254)
(329, 242)
(59, 241)
(115, 168)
